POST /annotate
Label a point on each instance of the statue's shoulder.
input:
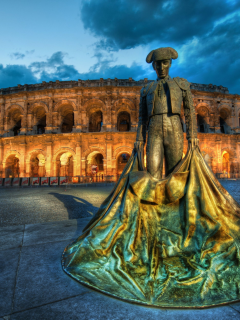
(182, 83)
(145, 89)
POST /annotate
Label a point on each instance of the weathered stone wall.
(47, 125)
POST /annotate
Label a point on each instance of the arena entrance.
(94, 165)
(121, 162)
(65, 164)
(37, 165)
(12, 167)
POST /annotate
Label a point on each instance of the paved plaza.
(36, 226)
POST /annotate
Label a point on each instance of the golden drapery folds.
(168, 243)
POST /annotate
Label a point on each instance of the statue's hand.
(193, 142)
(138, 145)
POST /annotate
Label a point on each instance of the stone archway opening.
(15, 122)
(94, 164)
(64, 164)
(67, 119)
(201, 120)
(39, 120)
(223, 117)
(122, 160)
(37, 165)
(123, 121)
(208, 159)
(12, 166)
(95, 121)
(225, 162)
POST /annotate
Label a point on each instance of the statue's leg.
(172, 141)
(155, 150)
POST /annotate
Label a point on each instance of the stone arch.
(94, 104)
(94, 163)
(225, 106)
(123, 102)
(203, 113)
(92, 149)
(40, 151)
(64, 162)
(11, 152)
(210, 157)
(11, 165)
(14, 106)
(203, 105)
(224, 116)
(122, 156)
(123, 121)
(38, 104)
(36, 163)
(38, 113)
(96, 113)
(62, 150)
(63, 102)
(231, 151)
(14, 116)
(64, 116)
(124, 149)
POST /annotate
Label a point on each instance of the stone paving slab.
(41, 279)
(94, 305)
(236, 306)
(8, 270)
(11, 237)
(53, 231)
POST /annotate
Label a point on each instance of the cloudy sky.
(52, 40)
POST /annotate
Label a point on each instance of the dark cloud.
(12, 75)
(126, 24)
(214, 57)
(206, 34)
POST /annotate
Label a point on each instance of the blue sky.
(52, 40)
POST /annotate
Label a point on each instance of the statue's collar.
(167, 78)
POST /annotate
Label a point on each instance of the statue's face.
(162, 68)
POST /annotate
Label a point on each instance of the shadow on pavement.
(77, 208)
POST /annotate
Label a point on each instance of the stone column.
(49, 119)
(218, 149)
(24, 118)
(29, 124)
(105, 167)
(54, 122)
(75, 123)
(108, 161)
(83, 162)
(28, 168)
(6, 124)
(78, 164)
(114, 168)
(49, 163)
(22, 163)
(134, 121)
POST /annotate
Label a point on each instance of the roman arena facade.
(69, 128)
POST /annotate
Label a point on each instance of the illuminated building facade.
(68, 128)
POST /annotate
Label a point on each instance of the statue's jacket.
(180, 93)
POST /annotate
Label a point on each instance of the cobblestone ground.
(37, 205)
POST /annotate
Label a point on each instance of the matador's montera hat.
(161, 54)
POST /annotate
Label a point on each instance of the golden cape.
(168, 243)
